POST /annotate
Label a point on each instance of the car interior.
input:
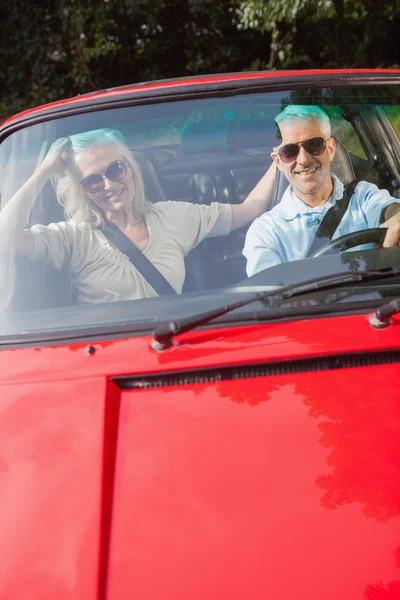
(219, 161)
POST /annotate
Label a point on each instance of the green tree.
(326, 33)
(54, 49)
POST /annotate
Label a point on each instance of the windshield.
(132, 215)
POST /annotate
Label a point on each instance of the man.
(286, 232)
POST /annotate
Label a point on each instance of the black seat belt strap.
(331, 220)
(145, 267)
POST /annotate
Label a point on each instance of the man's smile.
(305, 172)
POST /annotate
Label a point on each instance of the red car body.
(251, 461)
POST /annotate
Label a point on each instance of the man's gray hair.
(293, 113)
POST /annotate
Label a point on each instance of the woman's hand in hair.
(56, 158)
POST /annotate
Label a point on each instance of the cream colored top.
(101, 273)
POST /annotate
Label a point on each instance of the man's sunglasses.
(95, 183)
(289, 152)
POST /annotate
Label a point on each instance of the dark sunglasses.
(314, 146)
(95, 183)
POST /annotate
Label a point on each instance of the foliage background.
(52, 49)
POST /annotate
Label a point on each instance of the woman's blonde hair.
(78, 207)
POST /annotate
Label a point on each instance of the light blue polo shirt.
(286, 232)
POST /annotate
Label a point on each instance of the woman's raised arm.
(15, 213)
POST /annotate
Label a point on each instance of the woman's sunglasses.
(95, 183)
(314, 146)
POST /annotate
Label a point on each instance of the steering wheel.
(356, 238)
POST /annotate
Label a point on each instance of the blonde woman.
(99, 183)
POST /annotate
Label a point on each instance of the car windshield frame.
(381, 162)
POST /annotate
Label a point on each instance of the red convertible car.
(237, 440)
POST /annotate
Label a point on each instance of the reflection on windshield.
(164, 200)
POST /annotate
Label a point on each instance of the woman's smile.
(114, 195)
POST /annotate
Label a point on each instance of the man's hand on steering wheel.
(392, 237)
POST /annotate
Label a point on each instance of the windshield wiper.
(164, 333)
(382, 316)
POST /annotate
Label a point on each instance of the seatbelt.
(331, 220)
(151, 274)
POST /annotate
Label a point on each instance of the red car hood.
(252, 462)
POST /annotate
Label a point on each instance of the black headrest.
(152, 179)
(341, 165)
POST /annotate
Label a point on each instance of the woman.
(98, 182)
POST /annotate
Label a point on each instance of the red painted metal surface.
(198, 348)
(50, 480)
(195, 81)
(280, 487)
